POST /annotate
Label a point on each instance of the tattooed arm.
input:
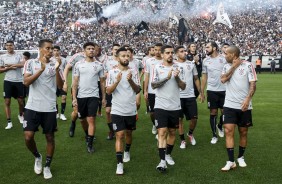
(251, 93)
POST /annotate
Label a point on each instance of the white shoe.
(241, 162)
(47, 173)
(58, 116)
(9, 126)
(220, 132)
(157, 137)
(162, 166)
(192, 139)
(119, 170)
(229, 165)
(154, 130)
(38, 165)
(63, 117)
(169, 160)
(126, 157)
(21, 119)
(183, 145)
(214, 140)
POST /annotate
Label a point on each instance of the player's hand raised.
(129, 76)
(119, 76)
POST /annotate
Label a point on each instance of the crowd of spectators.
(257, 31)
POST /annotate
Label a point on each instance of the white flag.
(173, 20)
(222, 17)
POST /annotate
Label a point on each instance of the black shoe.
(72, 128)
(90, 149)
(111, 135)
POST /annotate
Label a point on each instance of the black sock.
(182, 137)
(9, 120)
(127, 147)
(48, 161)
(169, 149)
(220, 124)
(110, 125)
(191, 131)
(119, 157)
(230, 152)
(63, 108)
(162, 153)
(148, 109)
(241, 151)
(90, 140)
(73, 124)
(36, 154)
(153, 122)
(57, 108)
(86, 132)
(213, 124)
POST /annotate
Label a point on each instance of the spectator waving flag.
(222, 17)
(182, 30)
(98, 10)
(173, 20)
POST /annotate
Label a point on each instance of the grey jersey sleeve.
(204, 67)
(76, 70)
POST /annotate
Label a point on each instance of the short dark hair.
(41, 42)
(121, 50)
(89, 44)
(131, 50)
(213, 44)
(165, 47)
(57, 47)
(116, 44)
(27, 54)
(225, 44)
(178, 47)
(158, 45)
(10, 41)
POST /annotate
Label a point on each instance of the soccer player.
(60, 92)
(73, 60)
(42, 76)
(223, 48)
(188, 73)
(110, 64)
(11, 63)
(149, 92)
(212, 69)
(166, 81)
(240, 79)
(150, 54)
(86, 74)
(123, 81)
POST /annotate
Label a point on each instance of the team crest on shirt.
(95, 68)
(241, 71)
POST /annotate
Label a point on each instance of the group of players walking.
(171, 86)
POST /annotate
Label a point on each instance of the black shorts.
(164, 118)
(189, 108)
(215, 99)
(109, 100)
(26, 91)
(100, 91)
(33, 119)
(123, 122)
(238, 117)
(151, 100)
(60, 92)
(13, 89)
(87, 107)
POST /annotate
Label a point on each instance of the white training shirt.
(42, 92)
(88, 73)
(237, 88)
(187, 72)
(11, 59)
(167, 96)
(149, 68)
(124, 98)
(213, 68)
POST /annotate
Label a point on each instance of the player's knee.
(108, 110)
(8, 102)
(50, 138)
(120, 135)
